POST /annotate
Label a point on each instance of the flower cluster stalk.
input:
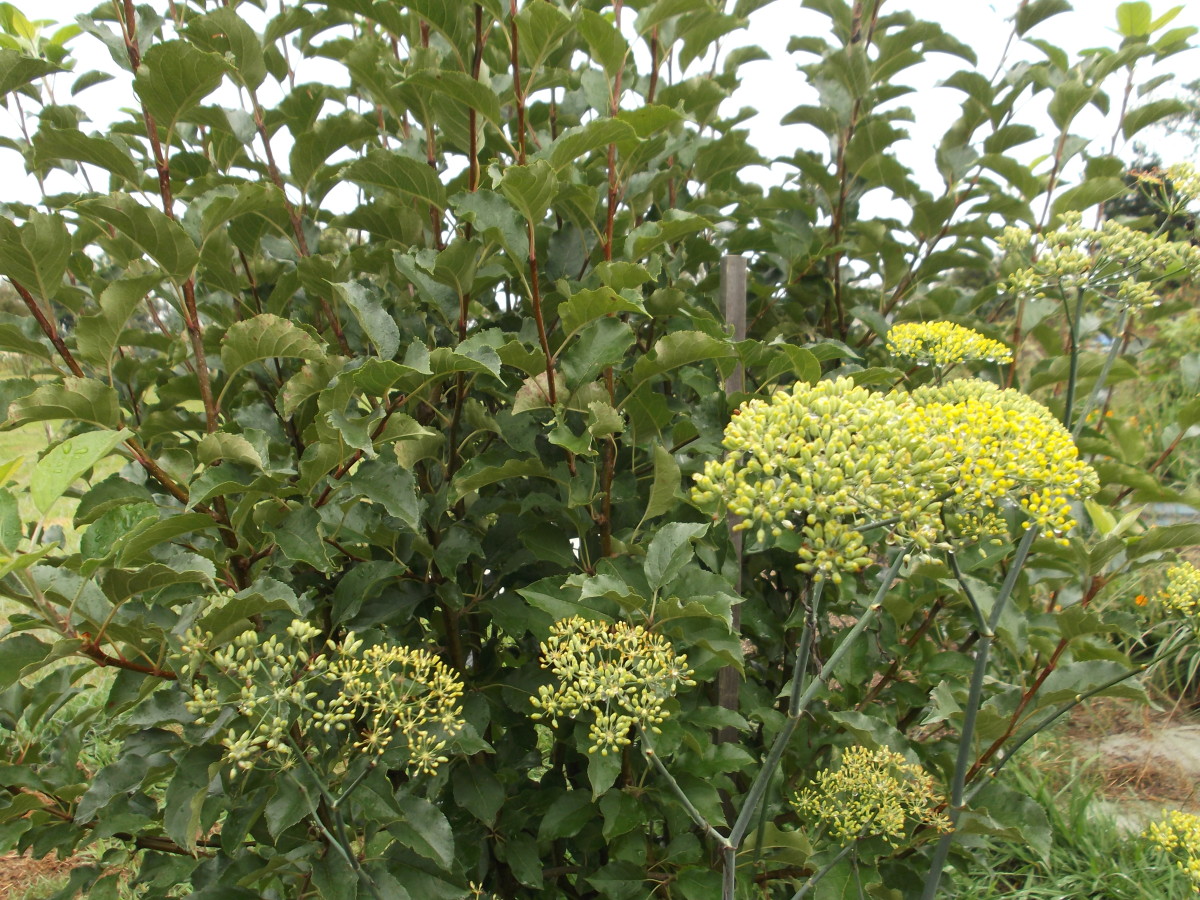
(987, 633)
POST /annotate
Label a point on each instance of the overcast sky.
(774, 87)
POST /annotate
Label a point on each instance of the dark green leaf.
(174, 77)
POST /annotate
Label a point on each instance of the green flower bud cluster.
(1109, 260)
(622, 674)
(1182, 593)
(810, 468)
(1179, 835)
(872, 792)
(384, 694)
(817, 461)
(943, 344)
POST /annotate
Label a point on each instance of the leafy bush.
(427, 408)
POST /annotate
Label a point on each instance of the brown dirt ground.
(20, 873)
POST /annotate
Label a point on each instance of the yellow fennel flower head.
(1178, 834)
(805, 468)
(1186, 181)
(872, 792)
(620, 674)
(1003, 448)
(943, 344)
(1182, 593)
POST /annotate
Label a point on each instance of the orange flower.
(1141, 600)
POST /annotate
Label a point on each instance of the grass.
(1089, 856)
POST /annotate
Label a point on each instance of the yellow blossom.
(943, 344)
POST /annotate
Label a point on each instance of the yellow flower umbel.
(1179, 835)
(872, 792)
(622, 674)
(1003, 448)
(386, 693)
(811, 468)
(943, 344)
(1182, 593)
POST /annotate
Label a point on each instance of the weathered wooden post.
(733, 299)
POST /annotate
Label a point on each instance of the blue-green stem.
(801, 696)
(1094, 397)
(966, 745)
(1073, 376)
(823, 871)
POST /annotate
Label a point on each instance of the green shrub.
(394, 467)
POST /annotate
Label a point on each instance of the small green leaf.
(669, 551)
(225, 32)
(584, 306)
(174, 77)
(402, 174)
(477, 791)
(608, 46)
(59, 468)
(665, 488)
(677, 349)
(160, 238)
(186, 793)
(567, 816)
(99, 335)
(1149, 113)
(1133, 19)
(36, 253)
(266, 337)
(105, 152)
(531, 189)
(425, 830)
(377, 324)
(674, 225)
(16, 653)
(80, 399)
(18, 70)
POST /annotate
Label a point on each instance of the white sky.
(774, 87)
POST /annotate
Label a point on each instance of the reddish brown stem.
(93, 650)
(48, 328)
(518, 95)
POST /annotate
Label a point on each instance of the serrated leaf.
(462, 87)
(18, 70)
(665, 487)
(674, 225)
(586, 305)
(36, 253)
(150, 534)
(677, 349)
(402, 174)
(608, 46)
(98, 336)
(424, 829)
(266, 337)
(186, 793)
(59, 468)
(576, 143)
(473, 477)
(234, 447)
(81, 399)
(160, 238)
(1149, 113)
(104, 152)
(669, 551)
(377, 323)
(531, 189)
(174, 77)
(225, 32)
